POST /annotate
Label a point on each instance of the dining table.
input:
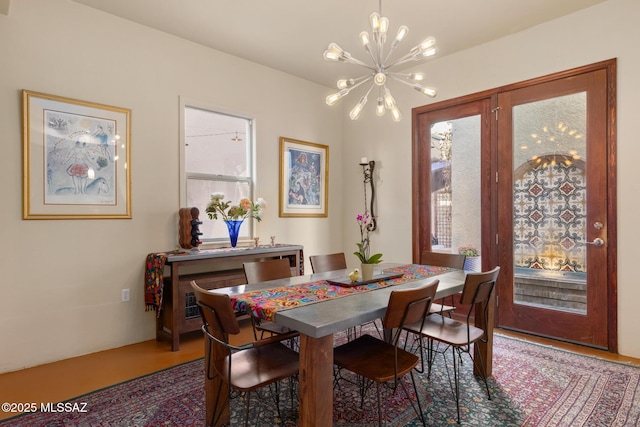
(319, 319)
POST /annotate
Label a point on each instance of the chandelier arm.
(388, 55)
(408, 57)
(360, 82)
(399, 75)
(353, 60)
(366, 95)
(373, 58)
(357, 80)
(422, 89)
(413, 85)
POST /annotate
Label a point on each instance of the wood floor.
(59, 381)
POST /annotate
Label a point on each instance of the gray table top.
(327, 317)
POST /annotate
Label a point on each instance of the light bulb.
(355, 112)
(374, 18)
(364, 38)
(333, 52)
(402, 33)
(345, 83)
(384, 27)
(427, 43)
(380, 107)
(380, 79)
(335, 97)
(421, 54)
(389, 102)
(429, 52)
(429, 91)
(395, 114)
(416, 77)
(424, 49)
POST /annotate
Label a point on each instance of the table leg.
(216, 403)
(316, 381)
(175, 295)
(485, 350)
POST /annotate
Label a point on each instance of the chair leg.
(482, 372)
(379, 405)
(219, 410)
(419, 405)
(456, 379)
(246, 410)
(430, 357)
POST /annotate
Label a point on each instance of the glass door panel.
(455, 185)
(549, 203)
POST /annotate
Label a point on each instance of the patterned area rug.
(532, 385)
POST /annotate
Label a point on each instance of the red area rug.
(532, 385)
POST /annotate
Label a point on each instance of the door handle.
(596, 242)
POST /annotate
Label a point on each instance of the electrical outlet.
(125, 295)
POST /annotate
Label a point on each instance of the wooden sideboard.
(211, 269)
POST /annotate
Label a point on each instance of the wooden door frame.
(421, 173)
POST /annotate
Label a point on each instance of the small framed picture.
(76, 159)
(304, 179)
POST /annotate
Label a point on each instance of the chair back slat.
(478, 286)
(217, 312)
(408, 306)
(330, 262)
(263, 271)
(443, 259)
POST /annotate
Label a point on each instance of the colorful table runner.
(263, 304)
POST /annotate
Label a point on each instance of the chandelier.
(381, 70)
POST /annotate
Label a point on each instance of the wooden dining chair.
(384, 362)
(329, 262)
(441, 259)
(243, 368)
(456, 335)
(263, 271)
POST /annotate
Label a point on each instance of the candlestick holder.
(367, 170)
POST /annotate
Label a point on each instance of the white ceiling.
(291, 35)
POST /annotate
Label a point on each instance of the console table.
(211, 269)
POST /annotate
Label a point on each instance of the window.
(218, 157)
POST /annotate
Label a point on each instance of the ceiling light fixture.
(235, 138)
(380, 72)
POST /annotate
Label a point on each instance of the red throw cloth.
(153, 283)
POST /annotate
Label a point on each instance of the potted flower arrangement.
(367, 261)
(472, 261)
(234, 215)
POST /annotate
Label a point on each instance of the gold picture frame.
(304, 179)
(76, 159)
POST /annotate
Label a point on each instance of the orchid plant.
(365, 222)
(217, 207)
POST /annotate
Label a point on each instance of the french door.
(530, 181)
(553, 216)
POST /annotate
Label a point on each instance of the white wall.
(61, 280)
(607, 30)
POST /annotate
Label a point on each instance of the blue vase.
(234, 229)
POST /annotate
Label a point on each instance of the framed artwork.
(304, 179)
(76, 159)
